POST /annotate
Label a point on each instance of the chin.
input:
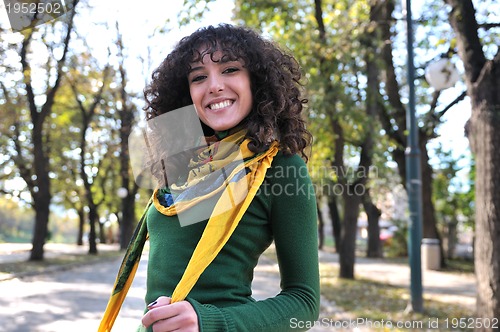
(221, 127)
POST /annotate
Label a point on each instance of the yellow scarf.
(238, 188)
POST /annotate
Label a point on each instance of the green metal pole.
(413, 177)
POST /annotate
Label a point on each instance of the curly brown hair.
(275, 84)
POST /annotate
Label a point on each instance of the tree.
(482, 78)
(88, 111)
(33, 163)
(393, 114)
(335, 69)
(329, 40)
(127, 110)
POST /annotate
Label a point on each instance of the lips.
(220, 104)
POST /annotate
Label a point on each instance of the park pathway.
(447, 287)
(68, 300)
(74, 299)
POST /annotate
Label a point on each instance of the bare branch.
(24, 170)
(435, 97)
(464, 23)
(19, 160)
(392, 87)
(27, 77)
(487, 26)
(453, 103)
(318, 14)
(6, 93)
(47, 107)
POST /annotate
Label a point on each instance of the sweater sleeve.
(293, 220)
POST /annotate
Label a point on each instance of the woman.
(246, 93)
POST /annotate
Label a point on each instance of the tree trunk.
(451, 239)
(81, 224)
(374, 248)
(42, 211)
(486, 131)
(128, 202)
(93, 218)
(352, 196)
(128, 220)
(482, 78)
(102, 232)
(429, 221)
(128, 182)
(321, 227)
(429, 229)
(347, 254)
(336, 224)
(41, 192)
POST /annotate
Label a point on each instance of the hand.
(164, 317)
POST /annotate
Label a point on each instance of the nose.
(216, 83)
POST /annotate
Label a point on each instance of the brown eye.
(198, 78)
(230, 70)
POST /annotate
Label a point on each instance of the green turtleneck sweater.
(283, 211)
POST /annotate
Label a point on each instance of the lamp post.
(413, 175)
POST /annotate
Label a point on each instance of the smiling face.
(220, 91)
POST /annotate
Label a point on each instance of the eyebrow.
(221, 61)
(194, 69)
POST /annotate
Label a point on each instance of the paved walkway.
(75, 298)
(448, 287)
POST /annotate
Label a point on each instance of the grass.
(375, 301)
(64, 261)
(459, 266)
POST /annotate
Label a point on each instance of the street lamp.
(413, 175)
(441, 74)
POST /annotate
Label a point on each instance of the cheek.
(194, 94)
(196, 100)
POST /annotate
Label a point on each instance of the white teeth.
(220, 105)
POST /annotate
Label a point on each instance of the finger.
(156, 311)
(164, 325)
(162, 300)
(175, 323)
(181, 316)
